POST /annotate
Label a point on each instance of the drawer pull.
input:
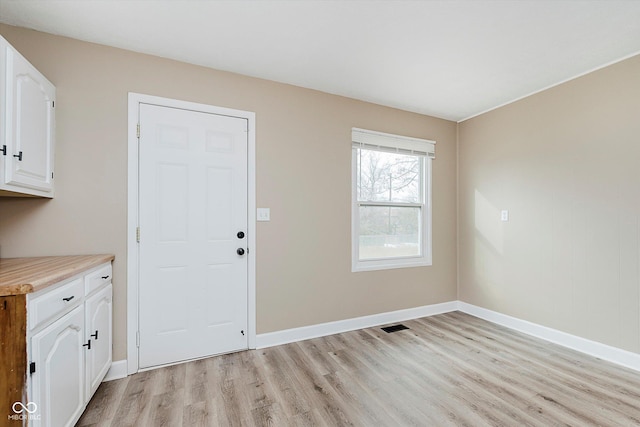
(88, 345)
(105, 277)
(67, 299)
(19, 156)
(95, 335)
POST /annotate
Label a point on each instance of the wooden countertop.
(26, 275)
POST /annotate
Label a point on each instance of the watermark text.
(23, 412)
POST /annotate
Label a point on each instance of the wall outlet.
(264, 214)
(504, 215)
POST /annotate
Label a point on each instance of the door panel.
(173, 203)
(219, 204)
(219, 282)
(193, 201)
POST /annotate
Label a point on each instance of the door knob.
(240, 234)
(240, 251)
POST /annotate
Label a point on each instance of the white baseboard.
(323, 329)
(602, 351)
(118, 370)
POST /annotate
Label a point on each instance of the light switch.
(264, 214)
(504, 215)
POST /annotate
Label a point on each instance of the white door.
(58, 382)
(193, 226)
(97, 317)
(31, 125)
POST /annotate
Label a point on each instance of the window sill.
(358, 266)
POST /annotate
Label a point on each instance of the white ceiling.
(449, 59)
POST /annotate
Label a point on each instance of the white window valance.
(372, 140)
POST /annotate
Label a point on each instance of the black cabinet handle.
(19, 156)
(67, 299)
(88, 345)
(240, 251)
(95, 335)
(105, 277)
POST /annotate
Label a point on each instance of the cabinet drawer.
(96, 279)
(53, 303)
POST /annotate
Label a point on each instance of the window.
(391, 214)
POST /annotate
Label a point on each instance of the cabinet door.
(98, 330)
(4, 107)
(30, 126)
(58, 380)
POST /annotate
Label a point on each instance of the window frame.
(425, 257)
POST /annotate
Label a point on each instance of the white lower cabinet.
(58, 383)
(69, 353)
(98, 334)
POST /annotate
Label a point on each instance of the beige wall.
(566, 164)
(303, 175)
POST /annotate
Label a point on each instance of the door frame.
(133, 275)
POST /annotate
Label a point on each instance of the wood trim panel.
(13, 354)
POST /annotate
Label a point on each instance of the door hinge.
(138, 234)
(53, 104)
(51, 175)
(32, 368)
(138, 131)
(4, 150)
(137, 338)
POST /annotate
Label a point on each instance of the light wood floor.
(450, 369)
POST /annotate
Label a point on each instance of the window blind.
(372, 140)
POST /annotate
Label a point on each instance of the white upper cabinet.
(27, 126)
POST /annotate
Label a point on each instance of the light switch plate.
(504, 215)
(264, 214)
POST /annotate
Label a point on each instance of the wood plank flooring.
(447, 370)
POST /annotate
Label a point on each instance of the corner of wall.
(458, 210)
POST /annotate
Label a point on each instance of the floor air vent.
(394, 328)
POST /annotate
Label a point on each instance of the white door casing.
(189, 217)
